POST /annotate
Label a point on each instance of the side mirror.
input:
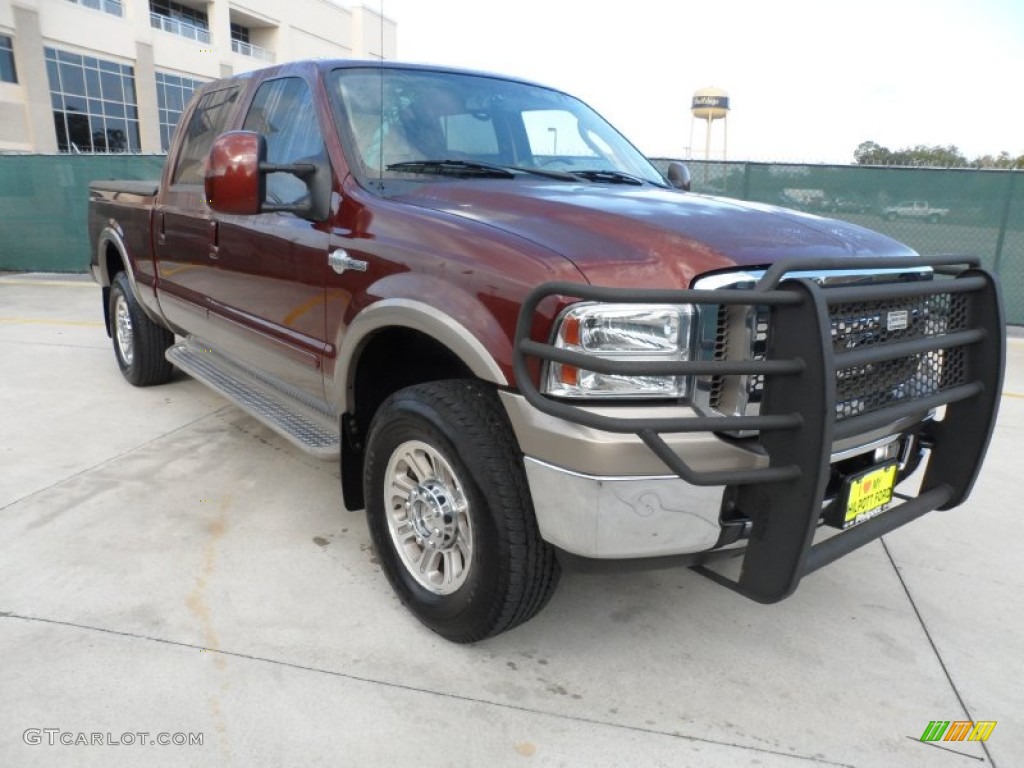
(236, 178)
(233, 180)
(679, 175)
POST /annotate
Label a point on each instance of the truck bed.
(120, 189)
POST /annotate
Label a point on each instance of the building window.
(240, 33)
(112, 7)
(240, 43)
(93, 100)
(179, 20)
(7, 72)
(172, 93)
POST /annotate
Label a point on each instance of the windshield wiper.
(474, 168)
(452, 168)
(560, 175)
(612, 177)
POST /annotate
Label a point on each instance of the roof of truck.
(325, 65)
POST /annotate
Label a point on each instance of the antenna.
(380, 153)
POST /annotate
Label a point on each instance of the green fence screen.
(43, 199)
(935, 211)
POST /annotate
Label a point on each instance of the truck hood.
(648, 236)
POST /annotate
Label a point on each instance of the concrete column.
(31, 65)
(284, 48)
(145, 94)
(219, 14)
(137, 12)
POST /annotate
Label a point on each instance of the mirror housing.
(679, 175)
(233, 181)
(236, 178)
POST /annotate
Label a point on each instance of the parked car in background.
(914, 209)
(844, 205)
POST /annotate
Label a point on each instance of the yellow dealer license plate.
(869, 494)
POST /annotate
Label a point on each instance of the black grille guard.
(797, 423)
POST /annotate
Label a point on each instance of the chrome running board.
(302, 423)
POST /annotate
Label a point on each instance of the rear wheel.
(139, 343)
(450, 514)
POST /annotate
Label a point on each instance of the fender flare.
(418, 316)
(111, 235)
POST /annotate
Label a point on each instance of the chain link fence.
(935, 211)
(44, 203)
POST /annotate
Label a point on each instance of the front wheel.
(450, 514)
(139, 343)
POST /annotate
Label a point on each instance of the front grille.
(757, 331)
(867, 388)
(720, 349)
(863, 388)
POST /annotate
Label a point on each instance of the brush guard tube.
(798, 419)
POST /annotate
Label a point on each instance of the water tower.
(710, 104)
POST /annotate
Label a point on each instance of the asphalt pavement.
(172, 571)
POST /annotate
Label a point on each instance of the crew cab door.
(267, 302)
(186, 265)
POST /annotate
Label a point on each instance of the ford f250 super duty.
(528, 347)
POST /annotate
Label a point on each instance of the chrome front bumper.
(605, 495)
(607, 517)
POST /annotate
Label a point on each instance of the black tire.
(139, 343)
(511, 572)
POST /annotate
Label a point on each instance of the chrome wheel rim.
(428, 517)
(123, 330)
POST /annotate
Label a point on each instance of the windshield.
(419, 126)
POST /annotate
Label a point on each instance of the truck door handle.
(214, 240)
(340, 261)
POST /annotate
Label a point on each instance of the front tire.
(139, 343)
(450, 513)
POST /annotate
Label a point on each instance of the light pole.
(554, 140)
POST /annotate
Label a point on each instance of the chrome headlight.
(639, 332)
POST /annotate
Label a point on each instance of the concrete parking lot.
(169, 566)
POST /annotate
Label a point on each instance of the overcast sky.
(807, 79)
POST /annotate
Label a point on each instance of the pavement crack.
(946, 749)
(425, 691)
(121, 455)
(935, 648)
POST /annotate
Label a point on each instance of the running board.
(308, 427)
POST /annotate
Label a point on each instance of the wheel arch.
(112, 257)
(393, 344)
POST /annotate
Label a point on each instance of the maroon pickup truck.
(529, 348)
